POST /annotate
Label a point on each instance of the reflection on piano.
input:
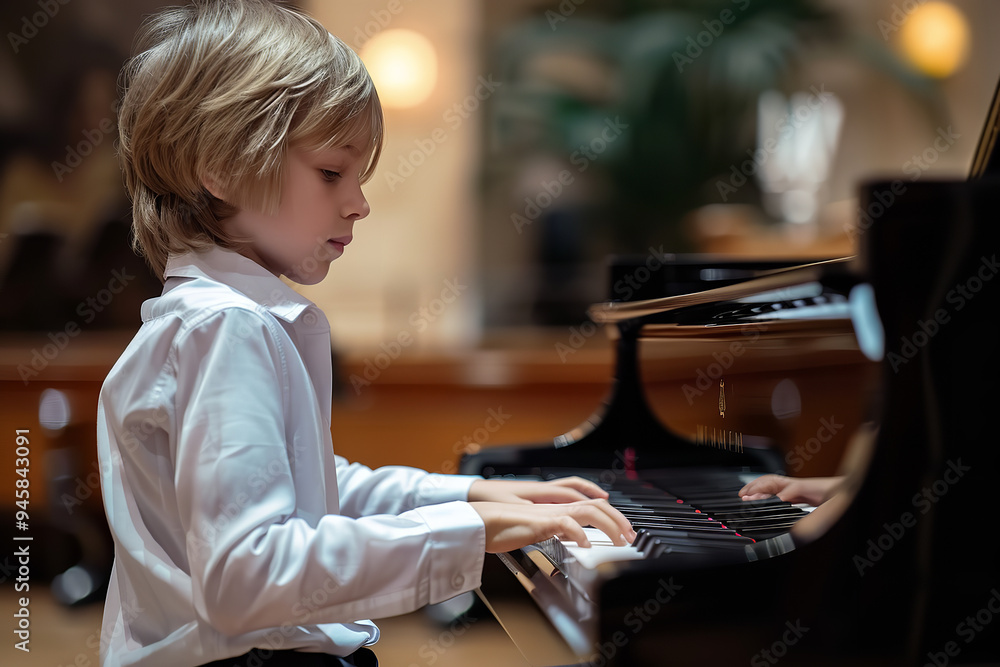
(759, 375)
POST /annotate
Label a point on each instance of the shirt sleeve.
(254, 563)
(395, 489)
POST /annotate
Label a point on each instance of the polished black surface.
(906, 574)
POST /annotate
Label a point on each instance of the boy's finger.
(612, 529)
(606, 519)
(624, 525)
(553, 493)
(765, 484)
(586, 487)
(571, 531)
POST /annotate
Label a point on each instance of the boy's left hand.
(564, 490)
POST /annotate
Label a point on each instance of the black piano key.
(679, 525)
(692, 530)
(736, 503)
(695, 537)
(652, 511)
(760, 520)
(777, 528)
(648, 536)
(673, 521)
(672, 511)
(748, 522)
(669, 549)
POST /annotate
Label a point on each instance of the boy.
(246, 131)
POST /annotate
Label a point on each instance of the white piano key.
(602, 550)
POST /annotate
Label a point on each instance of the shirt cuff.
(459, 539)
(437, 488)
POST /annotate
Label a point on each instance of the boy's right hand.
(511, 526)
(810, 490)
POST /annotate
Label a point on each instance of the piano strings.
(709, 436)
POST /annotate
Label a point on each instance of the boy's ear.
(210, 184)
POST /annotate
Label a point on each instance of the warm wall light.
(403, 65)
(935, 38)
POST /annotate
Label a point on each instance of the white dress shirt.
(235, 525)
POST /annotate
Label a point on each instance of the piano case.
(899, 568)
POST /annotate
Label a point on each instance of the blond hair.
(218, 91)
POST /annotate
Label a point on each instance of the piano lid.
(766, 282)
(986, 161)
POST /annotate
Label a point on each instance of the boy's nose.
(357, 207)
(365, 209)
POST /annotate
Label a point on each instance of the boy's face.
(321, 199)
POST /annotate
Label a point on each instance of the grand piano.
(728, 370)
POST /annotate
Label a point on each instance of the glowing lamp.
(403, 65)
(935, 38)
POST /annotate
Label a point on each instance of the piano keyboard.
(686, 517)
(678, 513)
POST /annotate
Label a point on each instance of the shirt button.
(458, 581)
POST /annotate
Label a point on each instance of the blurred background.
(527, 141)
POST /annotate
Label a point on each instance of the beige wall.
(883, 129)
(421, 232)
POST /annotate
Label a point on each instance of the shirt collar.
(242, 274)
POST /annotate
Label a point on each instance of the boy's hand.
(564, 490)
(514, 525)
(809, 490)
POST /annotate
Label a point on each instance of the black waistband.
(262, 657)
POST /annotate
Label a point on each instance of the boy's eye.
(329, 174)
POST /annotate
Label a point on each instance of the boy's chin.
(311, 278)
